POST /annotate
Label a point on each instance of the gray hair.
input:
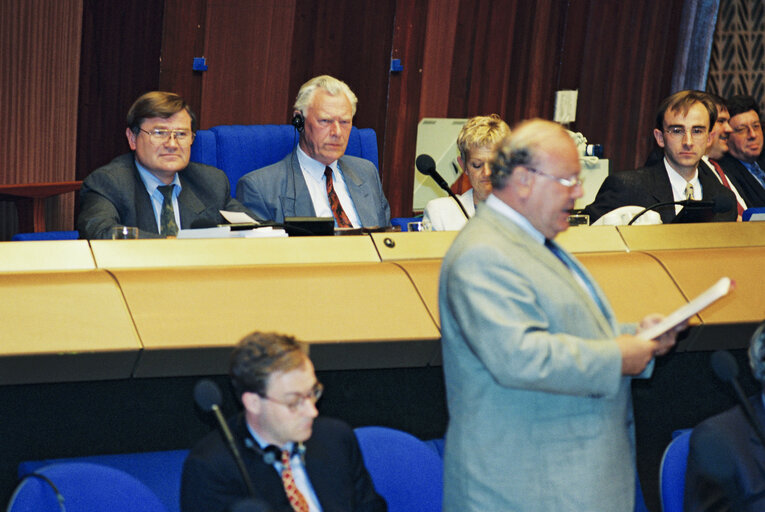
(757, 354)
(521, 147)
(331, 85)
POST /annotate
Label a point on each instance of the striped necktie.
(341, 219)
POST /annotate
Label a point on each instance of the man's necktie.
(758, 173)
(580, 277)
(167, 225)
(298, 502)
(727, 185)
(341, 219)
(688, 190)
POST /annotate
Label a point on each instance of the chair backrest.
(160, 471)
(672, 472)
(405, 471)
(45, 235)
(239, 149)
(84, 487)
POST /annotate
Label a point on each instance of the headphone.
(298, 121)
(272, 453)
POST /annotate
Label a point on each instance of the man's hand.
(636, 353)
(667, 340)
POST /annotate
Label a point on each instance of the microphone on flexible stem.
(207, 396)
(726, 369)
(427, 166)
(719, 204)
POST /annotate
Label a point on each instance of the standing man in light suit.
(317, 179)
(537, 367)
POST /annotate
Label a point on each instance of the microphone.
(427, 166)
(719, 204)
(726, 368)
(208, 398)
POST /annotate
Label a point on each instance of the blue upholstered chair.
(45, 235)
(239, 149)
(83, 487)
(405, 471)
(159, 471)
(672, 472)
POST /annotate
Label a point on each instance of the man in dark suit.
(295, 460)
(743, 162)
(155, 188)
(726, 461)
(317, 179)
(683, 123)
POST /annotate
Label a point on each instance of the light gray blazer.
(540, 415)
(279, 191)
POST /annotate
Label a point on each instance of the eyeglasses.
(678, 132)
(744, 128)
(160, 136)
(566, 182)
(294, 404)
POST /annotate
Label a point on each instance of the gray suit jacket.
(279, 191)
(114, 195)
(540, 417)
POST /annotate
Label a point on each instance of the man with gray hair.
(726, 460)
(537, 368)
(317, 179)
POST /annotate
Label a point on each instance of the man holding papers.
(537, 366)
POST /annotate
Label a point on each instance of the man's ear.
(131, 138)
(659, 136)
(252, 402)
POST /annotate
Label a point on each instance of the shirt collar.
(506, 210)
(678, 183)
(151, 182)
(314, 168)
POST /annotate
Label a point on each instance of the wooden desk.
(30, 201)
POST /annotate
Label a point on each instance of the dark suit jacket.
(211, 481)
(726, 463)
(650, 185)
(114, 195)
(279, 191)
(750, 189)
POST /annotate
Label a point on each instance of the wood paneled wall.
(461, 58)
(40, 45)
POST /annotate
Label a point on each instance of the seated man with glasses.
(295, 460)
(155, 188)
(682, 131)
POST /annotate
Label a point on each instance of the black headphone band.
(272, 453)
(298, 121)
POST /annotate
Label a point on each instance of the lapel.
(359, 193)
(660, 186)
(144, 212)
(190, 205)
(546, 257)
(295, 199)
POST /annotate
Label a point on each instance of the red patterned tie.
(725, 182)
(334, 202)
(298, 502)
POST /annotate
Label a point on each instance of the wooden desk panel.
(115, 254)
(64, 327)
(394, 246)
(354, 315)
(44, 256)
(581, 239)
(635, 283)
(693, 236)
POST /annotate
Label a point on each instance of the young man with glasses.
(155, 188)
(295, 460)
(682, 131)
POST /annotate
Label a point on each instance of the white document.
(238, 217)
(683, 313)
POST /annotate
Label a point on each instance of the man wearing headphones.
(317, 179)
(726, 461)
(295, 460)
